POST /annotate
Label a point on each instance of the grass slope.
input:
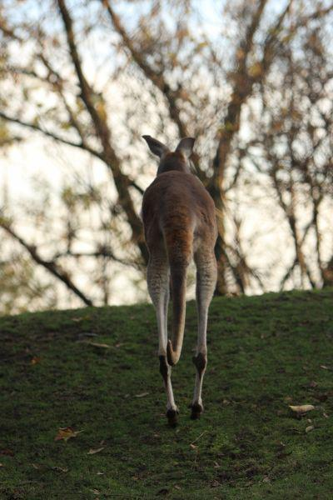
(265, 353)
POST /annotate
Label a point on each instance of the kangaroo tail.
(179, 247)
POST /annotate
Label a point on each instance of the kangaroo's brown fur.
(179, 222)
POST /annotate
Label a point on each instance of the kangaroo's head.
(176, 160)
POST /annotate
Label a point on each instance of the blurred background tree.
(251, 80)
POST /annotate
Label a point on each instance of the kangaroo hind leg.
(206, 281)
(158, 286)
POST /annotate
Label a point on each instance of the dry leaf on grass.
(80, 318)
(198, 438)
(309, 428)
(95, 344)
(66, 433)
(93, 451)
(141, 395)
(60, 469)
(301, 408)
(38, 466)
(215, 484)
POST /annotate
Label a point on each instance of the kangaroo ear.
(186, 146)
(155, 146)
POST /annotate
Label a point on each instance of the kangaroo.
(179, 223)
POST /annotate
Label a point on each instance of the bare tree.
(296, 144)
(94, 79)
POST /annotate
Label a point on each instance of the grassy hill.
(96, 372)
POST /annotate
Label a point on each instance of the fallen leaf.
(198, 437)
(302, 408)
(95, 344)
(35, 360)
(309, 428)
(1, 465)
(66, 433)
(142, 395)
(100, 473)
(325, 415)
(324, 367)
(78, 319)
(37, 466)
(96, 492)
(193, 446)
(93, 451)
(59, 469)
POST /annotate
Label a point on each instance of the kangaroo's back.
(177, 204)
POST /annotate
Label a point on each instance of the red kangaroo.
(180, 223)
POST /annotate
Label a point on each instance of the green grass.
(265, 353)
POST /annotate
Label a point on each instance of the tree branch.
(103, 252)
(56, 137)
(157, 79)
(50, 266)
(242, 89)
(104, 134)
(8, 31)
(58, 83)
